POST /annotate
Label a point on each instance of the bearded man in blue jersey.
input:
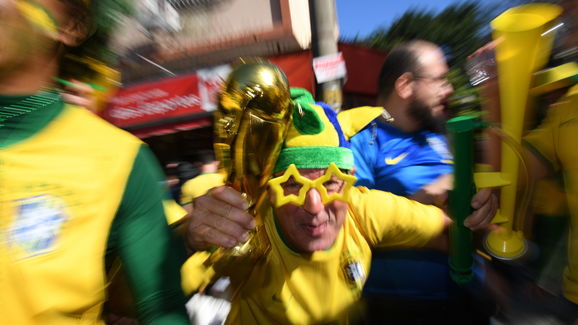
(403, 151)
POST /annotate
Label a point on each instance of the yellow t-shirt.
(195, 187)
(292, 288)
(554, 141)
(173, 211)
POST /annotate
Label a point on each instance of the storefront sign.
(329, 67)
(183, 95)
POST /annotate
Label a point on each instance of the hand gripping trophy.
(251, 122)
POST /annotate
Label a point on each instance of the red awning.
(173, 127)
(150, 101)
(363, 65)
(167, 105)
(187, 101)
(297, 67)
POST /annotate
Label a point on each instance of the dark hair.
(186, 171)
(401, 59)
(204, 156)
(171, 169)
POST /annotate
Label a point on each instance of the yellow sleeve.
(200, 185)
(173, 211)
(195, 275)
(542, 140)
(388, 220)
(186, 192)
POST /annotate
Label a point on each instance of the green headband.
(314, 157)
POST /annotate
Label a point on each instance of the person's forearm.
(435, 193)
(441, 241)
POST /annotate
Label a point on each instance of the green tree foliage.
(459, 30)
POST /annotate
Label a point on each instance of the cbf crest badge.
(38, 224)
(354, 273)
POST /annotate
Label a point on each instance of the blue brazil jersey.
(389, 159)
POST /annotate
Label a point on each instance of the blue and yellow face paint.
(39, 16)
(292, 187)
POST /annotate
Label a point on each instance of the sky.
(361, 17)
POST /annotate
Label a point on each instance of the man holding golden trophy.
(296, 236)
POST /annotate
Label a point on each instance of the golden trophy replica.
(251, 122)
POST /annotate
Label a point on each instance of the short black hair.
(185, 171)
(204, 156)
(401, 59)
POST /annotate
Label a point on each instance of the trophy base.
(238, 261)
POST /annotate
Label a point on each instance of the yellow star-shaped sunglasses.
(333, 185)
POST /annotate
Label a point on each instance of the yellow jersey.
(288, 287)
(554, 142)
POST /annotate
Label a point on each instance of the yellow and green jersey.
(323, 287)
(195, 187)
(554, 142)
(74, 189)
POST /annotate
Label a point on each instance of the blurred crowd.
(300, 214)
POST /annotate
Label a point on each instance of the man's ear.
(352, 171)
(404, 85)
(73, 32)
